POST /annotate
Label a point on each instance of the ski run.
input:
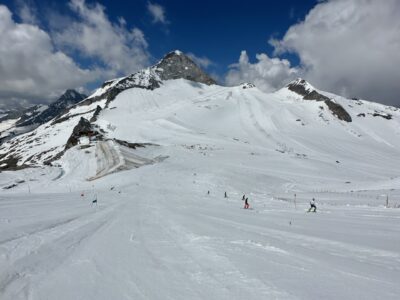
(162, 227)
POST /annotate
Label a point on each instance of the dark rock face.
(69, 98)
(382, 115)
(338, 111)
(11, 114)
(303, 88)
(30, 114)
(177, 65)
(299, 86)
(247, 85)
(10, 163)
(133, 145)
(83, 128)
(96, 113)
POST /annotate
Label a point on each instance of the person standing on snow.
(246, 203)
(312, 206)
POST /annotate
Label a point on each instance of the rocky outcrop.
(338, 111)
(247, 85)
(382, 115)
(69, 98)
(95, 115)
(303, 88)
(83, 128)
(177, 65)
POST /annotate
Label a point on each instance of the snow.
(7, 124)
(156, 233)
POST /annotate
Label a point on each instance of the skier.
(208, 192)
(246, 203)
(226, 196)
(244, 197)
(312, 206)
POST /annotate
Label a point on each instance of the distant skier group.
(313, 206)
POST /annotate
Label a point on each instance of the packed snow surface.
(162, 228)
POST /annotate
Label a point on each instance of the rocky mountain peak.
(71, 94)
(177, 65)
(69, 98)
(174, 65)
(302, 87)
(308, 92)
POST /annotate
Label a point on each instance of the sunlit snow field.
(156, 232)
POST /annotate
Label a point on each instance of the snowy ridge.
(174, 65)
(161, 215)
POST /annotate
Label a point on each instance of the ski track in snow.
(157, 234)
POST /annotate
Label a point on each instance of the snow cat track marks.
(255, 112)
(221, 269)
(51, 251)
(306, 243)
(158, 240)
(248, 123)
(108, 159)
(113, 158)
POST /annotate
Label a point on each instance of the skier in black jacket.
(312, 206)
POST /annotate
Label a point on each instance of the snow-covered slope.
(26, 120)
(66, 100)
(151, 148)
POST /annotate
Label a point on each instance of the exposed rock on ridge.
(303, 88)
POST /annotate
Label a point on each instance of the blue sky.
(348, 47)
(218, 30)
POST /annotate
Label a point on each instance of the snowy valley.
(158, 150)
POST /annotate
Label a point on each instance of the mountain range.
(138, 190)
(21, 120)
(176, 82)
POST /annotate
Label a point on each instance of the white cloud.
(202, 62)
(26, 10)
(268, 74)
(30, 68)
(350, 47)
(119, 49)
(157, 12)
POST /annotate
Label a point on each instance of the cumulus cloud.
(30, 67)
(345, 47)
(157, 12)
(26, 10)
(350, 47)
(201, 61)
(120, 50)
(268, 74)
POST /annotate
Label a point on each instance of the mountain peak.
(176, 65)
(308, 92)
(300, 82)
(72, 94)
(172, 53)
(305, 89)
(45, 114)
